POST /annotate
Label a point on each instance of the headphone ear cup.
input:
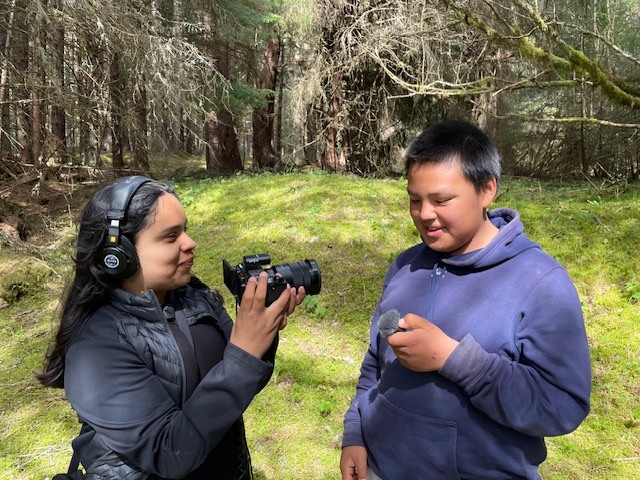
(118, 261)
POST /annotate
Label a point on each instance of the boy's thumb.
(410, 321)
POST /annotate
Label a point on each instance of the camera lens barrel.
(301, 274)
(297, 274)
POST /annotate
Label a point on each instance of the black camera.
(297, 274)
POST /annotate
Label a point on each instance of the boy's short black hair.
(448, 140)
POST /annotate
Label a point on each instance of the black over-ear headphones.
(118, 258)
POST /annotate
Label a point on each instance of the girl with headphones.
(151, 362)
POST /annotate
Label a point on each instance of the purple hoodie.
(521, 371)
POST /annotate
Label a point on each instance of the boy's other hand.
(353, 463)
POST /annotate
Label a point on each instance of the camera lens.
(301, 274)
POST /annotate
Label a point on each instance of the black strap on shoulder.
(181, 320)
(74, 463)
(182, 334)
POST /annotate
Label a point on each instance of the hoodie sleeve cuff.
(352, 434)
(465, 363)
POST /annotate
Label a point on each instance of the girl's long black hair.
(90, 288)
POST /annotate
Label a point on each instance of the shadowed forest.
(337, 85)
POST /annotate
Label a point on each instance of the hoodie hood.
(509, 242)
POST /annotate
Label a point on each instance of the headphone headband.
(122, 194)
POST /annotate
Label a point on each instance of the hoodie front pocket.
(403, 445)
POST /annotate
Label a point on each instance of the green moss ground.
(353, 228)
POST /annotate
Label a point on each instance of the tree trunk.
(22, 94)
(117, 110)
(37, 95)
(141, 142)
(278, 119)
(86, 86)
(187, 136)
(177, 143)
(336, 139)
(5, 110)
(223, 154)
(37, 141)
(264, 155)
(336, 119)
(310, 148)
(213, 153)
(58, 113)
(229, 137)
(222, 142)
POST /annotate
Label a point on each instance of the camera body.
(296, 274)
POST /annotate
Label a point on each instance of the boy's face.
(446, 208)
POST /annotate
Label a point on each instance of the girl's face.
(165, 251)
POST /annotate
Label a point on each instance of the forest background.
(216, 96)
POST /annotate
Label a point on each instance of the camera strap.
(74, 463)
(183, 325)
(184, 339)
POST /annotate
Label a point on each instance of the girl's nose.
(188, 243)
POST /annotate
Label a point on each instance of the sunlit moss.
(353, 227)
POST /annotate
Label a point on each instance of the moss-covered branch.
(574, 60)
(579, 61)
(586, 120)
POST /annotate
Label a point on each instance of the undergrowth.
(353, 228)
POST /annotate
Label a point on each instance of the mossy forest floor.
(353, 227)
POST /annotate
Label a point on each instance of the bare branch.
(587, 120)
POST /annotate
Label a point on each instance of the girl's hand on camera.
(296, 296)
(256, 325)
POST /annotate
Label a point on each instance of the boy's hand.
(424, 347)
(353, 463)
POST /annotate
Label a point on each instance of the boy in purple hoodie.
(493, 355)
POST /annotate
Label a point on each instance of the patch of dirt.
(32, 206)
